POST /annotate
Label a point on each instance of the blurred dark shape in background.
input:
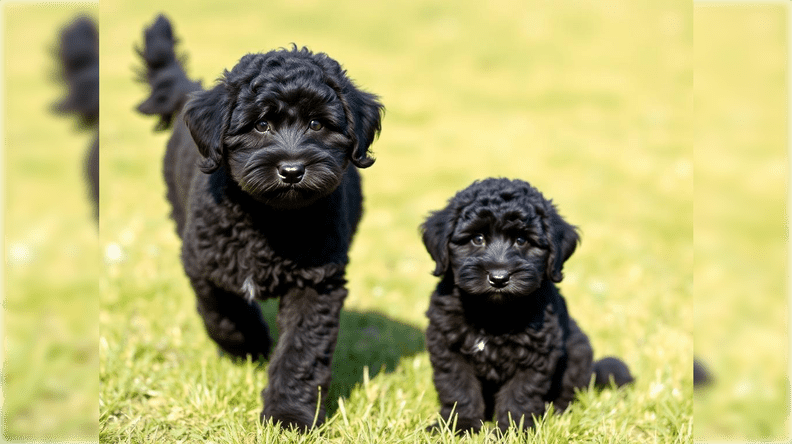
(701, 376)
(79, 61)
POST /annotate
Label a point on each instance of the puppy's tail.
(78, 53)
(164, 73)
(610, 368)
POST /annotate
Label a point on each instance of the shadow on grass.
(365, 339)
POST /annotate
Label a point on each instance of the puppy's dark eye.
(520, 241)
(478, 240)
(315, 125)
(262, 126)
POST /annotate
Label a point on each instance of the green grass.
(591, 104)
(741, 221)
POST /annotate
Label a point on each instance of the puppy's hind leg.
(235, 324)
(577, 367)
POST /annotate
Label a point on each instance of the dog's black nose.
(291, 172)
(498, 278)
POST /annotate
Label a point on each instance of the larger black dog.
(262, 175)
(500, 338)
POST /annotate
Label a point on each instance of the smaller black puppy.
(499, 337)
(262, 176)
(78, 54)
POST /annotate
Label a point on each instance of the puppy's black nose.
(291, 172)
(498, 278)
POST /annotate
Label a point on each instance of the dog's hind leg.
(578, 368)
(235, 324)
(299, 371)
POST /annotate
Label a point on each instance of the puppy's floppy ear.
(562, 238)
(363, 112)
(436, 231)
(206, 115)
(366, 111)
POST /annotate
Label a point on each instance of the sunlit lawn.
(741, 232)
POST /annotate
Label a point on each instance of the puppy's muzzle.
(498, 278)
(291, 173)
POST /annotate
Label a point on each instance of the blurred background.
(50, 321)
(741, 223)
(597, 105)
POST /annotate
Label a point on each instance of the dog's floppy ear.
(206, 115)
(363, 112)
(562, 238)
(436, 231)
(366, 111)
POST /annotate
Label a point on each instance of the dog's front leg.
(521, 397)
(458, 389)
(300, 366)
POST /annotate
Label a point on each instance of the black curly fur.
(164, 73)
(500, 339)
(78, 54)
(253, 228)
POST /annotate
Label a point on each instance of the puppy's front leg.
(308, 321)
(458, 388)
(520, 397)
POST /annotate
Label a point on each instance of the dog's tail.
(78, 53)
(611, 368)
(164, 73)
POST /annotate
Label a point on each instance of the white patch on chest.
(249, 289)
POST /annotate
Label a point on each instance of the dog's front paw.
(287, 421)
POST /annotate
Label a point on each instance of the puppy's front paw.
(287, 421)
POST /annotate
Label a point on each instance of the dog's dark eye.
(262, 126)
(520, 241)
(315, 125)
(478, 240)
